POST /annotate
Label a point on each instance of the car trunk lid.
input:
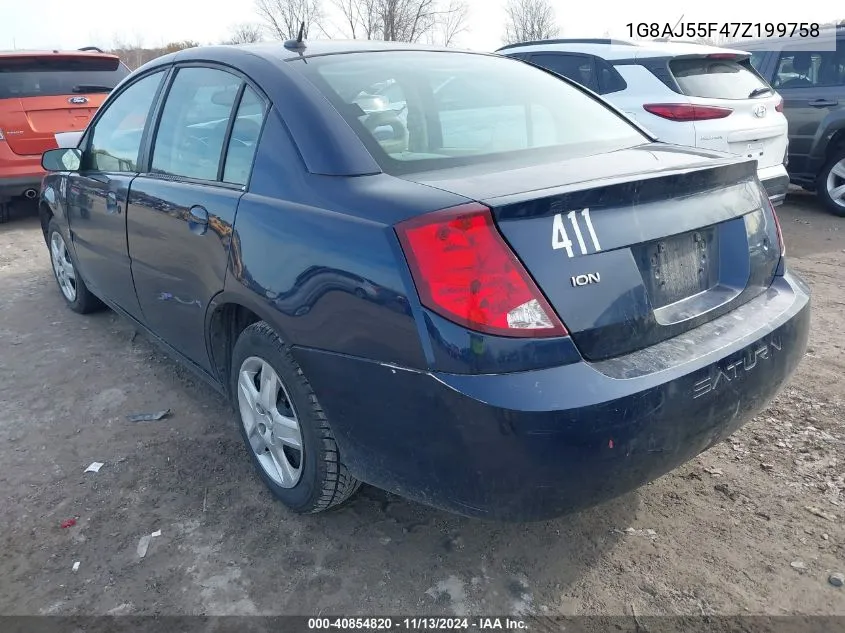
(633, 247)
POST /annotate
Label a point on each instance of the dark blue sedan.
(450, 275)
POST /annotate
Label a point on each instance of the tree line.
(437, 22)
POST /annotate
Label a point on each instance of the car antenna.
(299, 43)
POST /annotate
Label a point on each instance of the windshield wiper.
(91, 88)
(759, 91)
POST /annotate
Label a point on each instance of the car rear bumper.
(538, 444)
(14, 187)
(18, 173)
(775, 180)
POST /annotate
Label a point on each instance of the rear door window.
(578, 68)
(244, 140)
(193, 125)
(22, 77)
(805, 69)
(715, 78)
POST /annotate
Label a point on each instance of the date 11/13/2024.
(418, 623)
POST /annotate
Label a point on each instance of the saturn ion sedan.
(450, 275)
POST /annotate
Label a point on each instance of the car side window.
(609, 78)
(115, 140)
(244, 140)
(194, 120)
(806, 69)
(757, 59)
(578, 68)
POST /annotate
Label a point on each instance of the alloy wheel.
(62, 266)
(836, 183)
(271, 424)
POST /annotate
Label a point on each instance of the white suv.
(683, 93)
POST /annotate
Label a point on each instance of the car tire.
(277, 410)
(832, 176)
(66, 272)
(5, 212)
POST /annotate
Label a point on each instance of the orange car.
(43, 93)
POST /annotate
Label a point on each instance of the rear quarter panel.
(643, 88)
(318, 256)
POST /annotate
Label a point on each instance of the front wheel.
(831, 183)
(75, 292)
(284, 427)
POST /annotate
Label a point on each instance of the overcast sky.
(75, 23)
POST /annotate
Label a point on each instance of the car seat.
(801, 63)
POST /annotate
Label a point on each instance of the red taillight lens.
(779, 106)
(464, 271)
(723, 56)
(686, 112)
(781, 243)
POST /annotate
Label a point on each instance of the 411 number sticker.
(560, 238)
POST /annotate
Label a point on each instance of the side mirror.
(62, 159)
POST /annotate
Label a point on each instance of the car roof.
(311, 120)
(621, 49)
(57, 53)
(278, 51)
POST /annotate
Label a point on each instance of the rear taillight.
(686, 111)
(724, 56)
(464, 271)
(779, 106)
(781, 243)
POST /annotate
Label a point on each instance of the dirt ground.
(728, 533)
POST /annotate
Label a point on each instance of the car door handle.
(112, 207)
(198, 220)
(824, 103)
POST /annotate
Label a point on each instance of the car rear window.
(420, 110)
(61, 75)
(716, 78)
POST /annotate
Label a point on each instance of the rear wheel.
(5, 209)
(75, 292)
(284, 427)
(831, 183)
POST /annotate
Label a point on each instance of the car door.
(97, 193)
(182, 209)
(811, 84)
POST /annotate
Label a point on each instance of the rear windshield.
(419, 110)
(52, 76)
(717, 79)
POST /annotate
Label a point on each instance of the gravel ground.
(755, 525)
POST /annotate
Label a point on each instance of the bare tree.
(452, 21)
(406, 20)
(244, 34)
(529, 20)
(283, 18)
(403, 20)
(135, 54)
(361, 18)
